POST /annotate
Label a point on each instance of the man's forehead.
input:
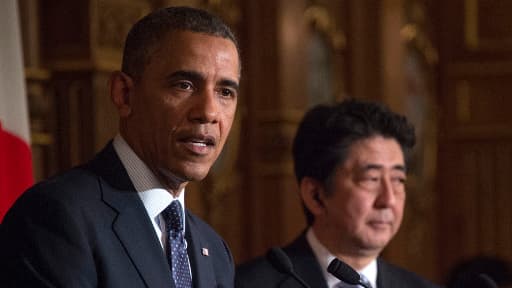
(375, 152)
(172, 35)
(188, 52)
(193, 44)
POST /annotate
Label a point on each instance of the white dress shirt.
(152, 193)
(324, 257)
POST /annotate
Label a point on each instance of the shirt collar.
(153, 194)
(324, 257)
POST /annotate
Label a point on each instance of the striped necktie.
(363, 280)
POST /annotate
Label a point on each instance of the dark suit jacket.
(89, 228)
(261, 273)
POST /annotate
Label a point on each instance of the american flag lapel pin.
(204, 251)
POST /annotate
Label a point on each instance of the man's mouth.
(379, 225)
(199, 144)
(202, 143)
(378, 222)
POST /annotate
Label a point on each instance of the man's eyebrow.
(398, 167)
(371, 167)
(185, 74)
(195, 76)
(229, 83)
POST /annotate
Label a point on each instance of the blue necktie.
(176, 245)
(345, 285)
(365, 281)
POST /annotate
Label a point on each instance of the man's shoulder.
(64, 186)
(391, 273)
(255, 267)
(261, 265)
(78, 183)
(75, 175)
(258, 272)
(64, 195)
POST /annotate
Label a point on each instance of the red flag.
(15, 169)
(15, 156)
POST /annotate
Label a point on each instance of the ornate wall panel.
(326, 51)
(485, 34)
(364, 72)
(81, 43)
(42, 122)
(476, 207)
(476, 137)
(482, 29)
(110, 22)
(273, 35)
(40, 97)
(481, 105)
(408, 86)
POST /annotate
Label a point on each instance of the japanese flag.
(15, 156)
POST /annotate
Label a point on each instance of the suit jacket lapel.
(201, 265)
(136, 233)
(304, 263)
(384, 277)
(132, 224)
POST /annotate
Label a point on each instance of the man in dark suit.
(119, 220)
(349, 163)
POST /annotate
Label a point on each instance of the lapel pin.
(204, 251)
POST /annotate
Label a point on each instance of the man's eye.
(183, 85)
(225, 92)
(370, 182)
(371, 178)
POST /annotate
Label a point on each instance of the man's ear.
(311, 192)
(121, 86)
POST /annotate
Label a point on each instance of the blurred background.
(447, 65)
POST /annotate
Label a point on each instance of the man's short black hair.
(327, 132)
(144, 37)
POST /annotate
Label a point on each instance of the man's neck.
(356, 258)
(172, 183)
(169, 180)
(132, 156)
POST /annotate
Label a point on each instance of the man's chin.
(378, 244)
(186, 171)
(194, 174)
(195, 177)
(375, 242)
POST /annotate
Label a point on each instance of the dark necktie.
(363, 279)
(176, 245)
(366, 281)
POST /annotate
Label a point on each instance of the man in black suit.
(349, 163)
(118, 221)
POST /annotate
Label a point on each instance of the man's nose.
(205, 107)
(387, 196)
